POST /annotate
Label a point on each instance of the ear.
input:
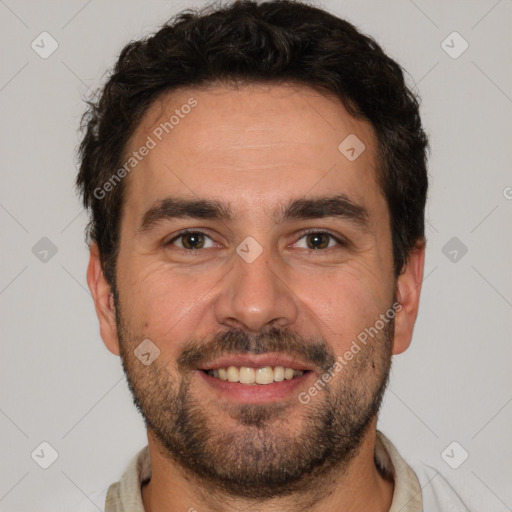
(408, 291)
(103, 300)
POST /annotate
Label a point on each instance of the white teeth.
(248, 375)
(232, 373)
(264, 375)
(288, 373)
(279, 373)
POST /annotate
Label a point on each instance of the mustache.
(237, 341)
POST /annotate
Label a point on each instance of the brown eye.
(190, 240)
(193, 240)
(318, 240)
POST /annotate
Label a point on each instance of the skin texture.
(255, 148)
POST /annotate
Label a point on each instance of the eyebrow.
(338, 206)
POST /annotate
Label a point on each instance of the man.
(256, 176)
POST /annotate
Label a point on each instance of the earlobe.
(408, 290)
(103, 300)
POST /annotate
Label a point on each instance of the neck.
(359, 487)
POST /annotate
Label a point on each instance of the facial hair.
(262, 457)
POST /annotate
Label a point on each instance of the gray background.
(59, 384)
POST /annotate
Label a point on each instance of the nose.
(255, 295)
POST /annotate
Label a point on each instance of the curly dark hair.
(281, 42)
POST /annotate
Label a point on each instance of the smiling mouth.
(255, 376)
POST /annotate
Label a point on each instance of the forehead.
(256, 144)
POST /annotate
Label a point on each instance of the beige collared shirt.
(125, 495)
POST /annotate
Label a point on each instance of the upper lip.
(256, 361)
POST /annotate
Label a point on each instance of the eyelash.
(342, 242)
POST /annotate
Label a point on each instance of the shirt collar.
(407, 494)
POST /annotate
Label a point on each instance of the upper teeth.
(247, 375)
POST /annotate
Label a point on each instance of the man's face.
(282, 285)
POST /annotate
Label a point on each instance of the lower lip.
(257, 393)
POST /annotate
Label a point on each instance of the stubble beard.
(262, 456)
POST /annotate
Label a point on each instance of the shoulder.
(438, 494)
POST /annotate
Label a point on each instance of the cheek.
(162, 303)
(346, 302)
